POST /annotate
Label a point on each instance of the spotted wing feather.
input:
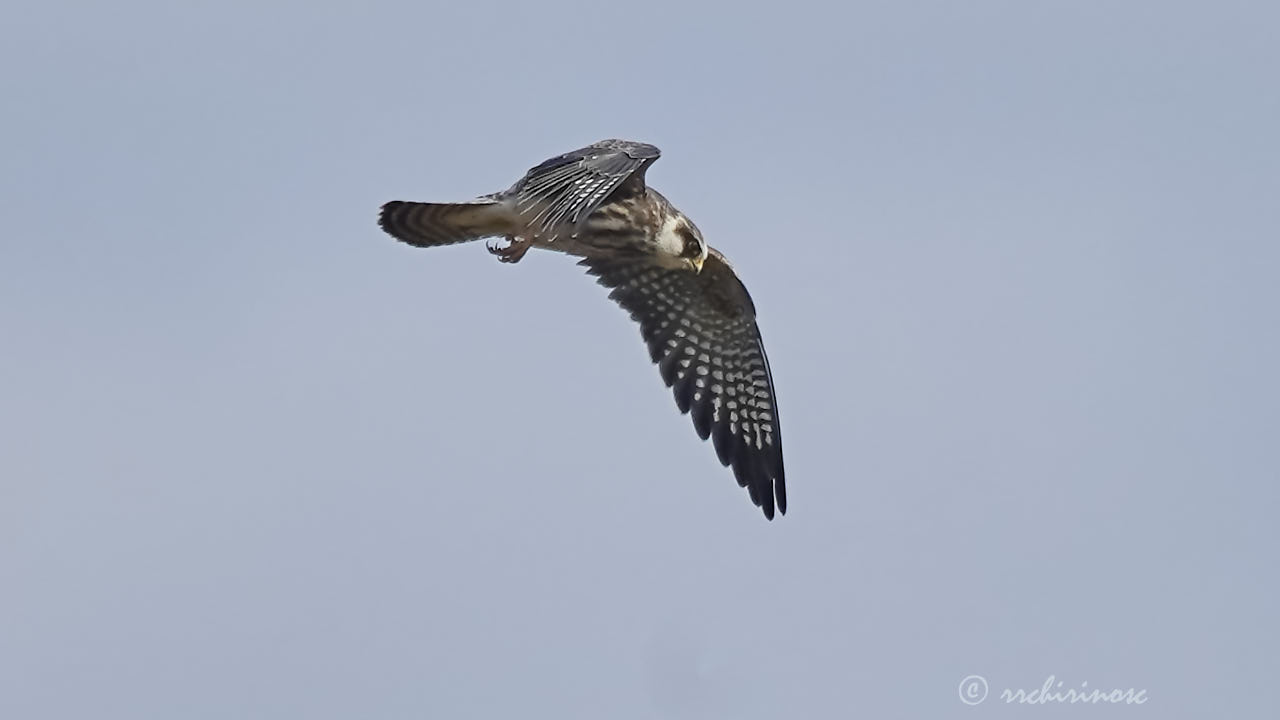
(566, 189)
(702, 333)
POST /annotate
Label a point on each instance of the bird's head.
(683, 240)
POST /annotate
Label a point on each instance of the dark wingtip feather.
(765, 484)
(740, 473)
(766, 493)
(656, 350)
(684, 393)
(722, 439)
(667, 368)
(702, 419)
(767, 507)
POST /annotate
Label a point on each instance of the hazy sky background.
(1016, 266)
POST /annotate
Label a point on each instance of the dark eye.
(691, 246)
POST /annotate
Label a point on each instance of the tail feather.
(431, 224)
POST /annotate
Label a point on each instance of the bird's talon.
(512, 253)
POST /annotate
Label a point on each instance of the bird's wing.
(701, 331)
(567, 188)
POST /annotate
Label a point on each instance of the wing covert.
(567, 188)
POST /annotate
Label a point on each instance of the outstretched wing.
(567, 188)
(701, 331)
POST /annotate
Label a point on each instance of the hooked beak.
(697, 263)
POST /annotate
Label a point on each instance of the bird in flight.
(694, 313)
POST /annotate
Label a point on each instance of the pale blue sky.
(1016, 267)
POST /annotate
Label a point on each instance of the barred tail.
(430, 224)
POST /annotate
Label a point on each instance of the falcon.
(694, 313)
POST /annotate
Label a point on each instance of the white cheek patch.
(669, 241)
